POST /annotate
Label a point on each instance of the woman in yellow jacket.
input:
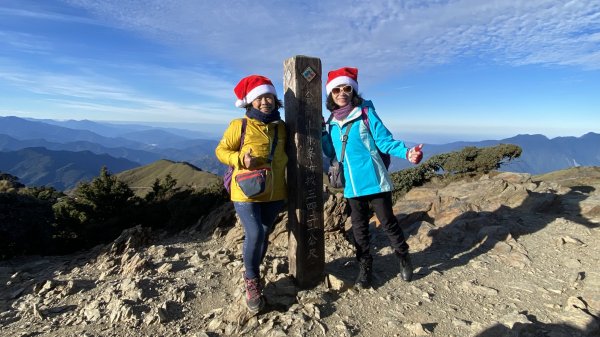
(261, 152)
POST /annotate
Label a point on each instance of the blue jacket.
(364, 170)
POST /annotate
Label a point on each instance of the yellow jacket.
(258, 137)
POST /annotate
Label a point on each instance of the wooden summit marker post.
(306, 248)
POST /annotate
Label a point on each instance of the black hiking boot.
(365, 274)
(254, 299)
(406, 268)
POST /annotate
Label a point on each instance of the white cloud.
(199, 81)
(152, 110)
(24, 42)
(239, 37)
(379, 36)
(40, 14)
(89, 93)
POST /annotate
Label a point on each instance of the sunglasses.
(347, 89)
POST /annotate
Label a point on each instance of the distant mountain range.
(8, 143)
(37, 166)
(62, 153)
(135, 145)
(540, 154)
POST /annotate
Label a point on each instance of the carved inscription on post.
(302, 87)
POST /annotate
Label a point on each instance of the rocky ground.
(501, 255)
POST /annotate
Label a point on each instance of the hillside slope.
(501, 255)
(140, 179)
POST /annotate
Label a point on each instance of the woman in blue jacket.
(367, 180)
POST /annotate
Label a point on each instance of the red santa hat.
(251, 87)
(345, 75)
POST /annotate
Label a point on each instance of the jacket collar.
(354, 114)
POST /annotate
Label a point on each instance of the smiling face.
(342, 95)
(264, 103)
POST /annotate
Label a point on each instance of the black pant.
(360, 215)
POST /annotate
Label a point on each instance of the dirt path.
(488, 270)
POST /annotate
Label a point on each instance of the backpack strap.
(243, 134)
(229, 173)
(329, 123)
(364, 114)
(345, 140)
(274, 144)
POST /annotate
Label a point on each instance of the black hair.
(278, 104)
(356, 100)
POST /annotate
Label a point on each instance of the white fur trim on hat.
(341, 80)
(257, 91)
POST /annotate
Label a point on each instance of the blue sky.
(436, 70)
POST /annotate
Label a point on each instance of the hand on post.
(415, 154)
